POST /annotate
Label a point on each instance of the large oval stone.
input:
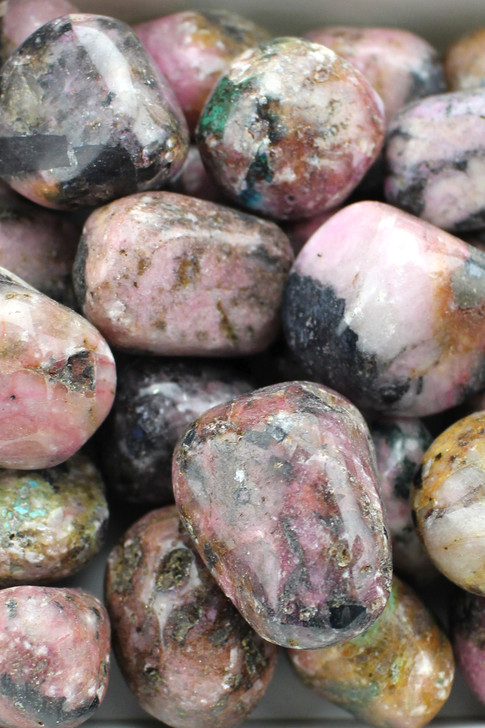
(278, 490)
(389, 310)
(57, 378)
(94, 121)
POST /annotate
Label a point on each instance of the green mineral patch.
(353, 696)
(217, 111)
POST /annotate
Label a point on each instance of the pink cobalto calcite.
(278, 490)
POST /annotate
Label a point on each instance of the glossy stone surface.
(278, 489)
(156, 400)
(448, 499)
(57, 378)
(464, 61)
(435, 152)
(397, 674)
(392, 317)
(96, 120)
(54, 656)
(400, 66)
(193, 49)
(400, 443)
(168, 274)
(53, 521)
(467, 620)
(187, 655)
(22, 17)
(290, 129)
(37, 245)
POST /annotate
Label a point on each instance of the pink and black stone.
(95, 121)
(278, 490)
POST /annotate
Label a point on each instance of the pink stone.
(57, 378)
(467, 620)
(22, 17)
(169, 274)
(54, 656)
(278, 489)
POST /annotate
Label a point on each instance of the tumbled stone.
(278, 489)
(397, 674)
(38, 246)
(53, 521)
(57, 378)
(435, 157)
(193, 48)
(54, 656)
(392, 317)
(400, 443)
(169, 274)
(187, 655)
(400, 66)
(464, 61)
(467, 624)
(156, 400)
(448, 500)
(290, 129)
(95, 120)
(21, 17)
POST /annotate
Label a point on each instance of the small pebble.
(448, 500)
(278, 489)
(53, 521)
(464, 61)
(392, 317)
(187, 655)
(21, 17)
(57, 378)
(95, 121)
(54, 656)
(290, 129)
(397, 674)
(169, 274)
(467, 621)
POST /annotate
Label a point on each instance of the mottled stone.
(187, 655)
(21, 17)
(52, 523)
(392, 317)
(464, 61)
(194, 180)
(467, 624)
(156, 400)
(435, 157)
(397, 674)
(38, 246)
(57, 378)
(400, 443)
(448, 500)
(400, 66)
(169, 274)
(290, 129)
(94, 121)
(193, 48)
(54, 656)
(278, 489)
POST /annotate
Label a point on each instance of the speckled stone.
(448, 499)
(398, 674)
(52, 522)
(57, 378)
(193, 48)
(464, 61)
(290, 129)
(187, 655)
(156, 400)
(400, 66)
(95, 121)
(392, 317)
(435, 158)
(278, 489)
(169, 274)
(400, 443)
(467, 624)
(21, 17)
(54, 656)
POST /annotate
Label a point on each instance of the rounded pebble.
(467, 624)
(464, 61)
